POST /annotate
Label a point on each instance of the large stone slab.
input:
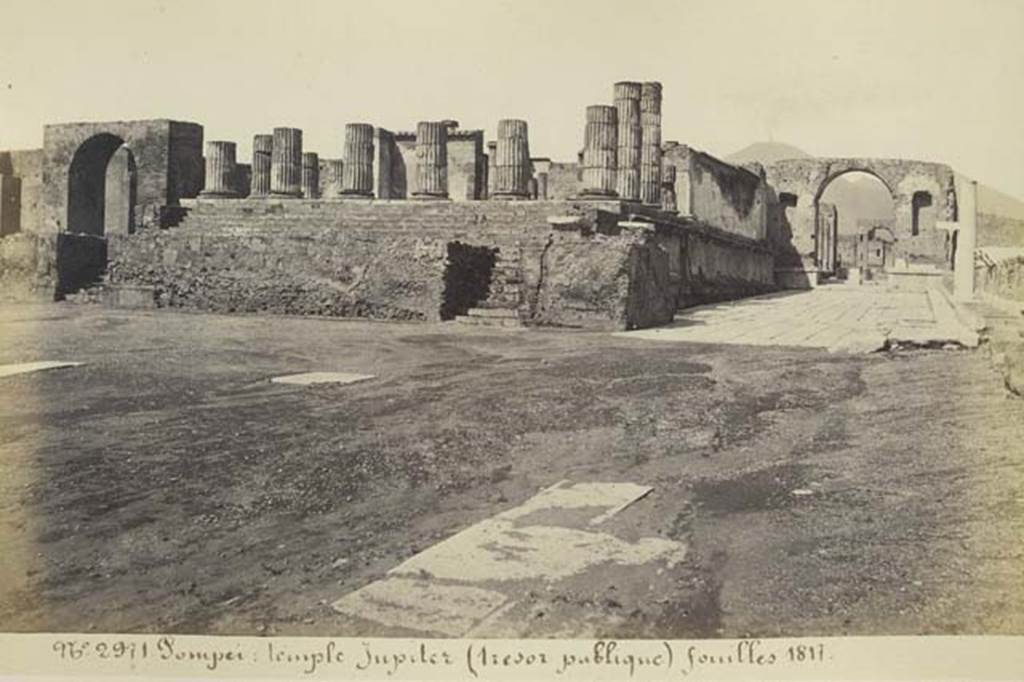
(310, 378)
(27, 367)
(473, 581)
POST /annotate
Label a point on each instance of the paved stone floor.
(837, 317)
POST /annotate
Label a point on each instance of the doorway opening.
(863, 214)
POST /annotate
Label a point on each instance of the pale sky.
(933, 79)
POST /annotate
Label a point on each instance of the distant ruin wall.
(716, 193)
(387, 260)
(565, 180)
(21, 174)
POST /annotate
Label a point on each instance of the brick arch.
(167, 156)
(834, 174)
(807, 179)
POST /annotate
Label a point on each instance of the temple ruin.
(440, 223)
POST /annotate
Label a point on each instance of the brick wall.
(46, 266)
(731, 198)
(28, 267)
(388, 260)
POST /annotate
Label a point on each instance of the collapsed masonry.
(425, 225)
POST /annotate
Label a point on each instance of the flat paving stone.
(833, 317)
(424, 605)
(481, 572)
(309, 378)
(26, 367)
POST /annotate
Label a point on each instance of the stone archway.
(922, 193)
(845, 200)
(101, 202)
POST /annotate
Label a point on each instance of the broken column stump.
(357, 171)
(627, 105)
(286, 163)
(310, 175)
(431, 160)
(261, 163)
(650, 143)
(220, 170)
(512, 165)
(600, 150)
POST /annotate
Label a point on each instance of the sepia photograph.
(584, 321)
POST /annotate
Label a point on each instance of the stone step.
(507, 313)
(500, 299)
(488, 320)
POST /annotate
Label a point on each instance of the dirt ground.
(167, 486)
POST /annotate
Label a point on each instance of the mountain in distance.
(766, 152)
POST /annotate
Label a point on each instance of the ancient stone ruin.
(436, 223)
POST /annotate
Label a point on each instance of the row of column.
(509, 170)
(281, 169)
(622, 145)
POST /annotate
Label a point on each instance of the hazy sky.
(934, 80)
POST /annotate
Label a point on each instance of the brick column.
(512, 165)
(335, 171)
(650, 143)
(492, 171)
(600, 149)
(310, 175)
(431, 160)
(627, 105)
(286, 163)
(220, 170)
(357, 172)
(668, 188)
(966, 239)
(542, 186)
(262, 146)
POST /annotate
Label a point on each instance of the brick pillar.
(650, 143)
(600, 148)
(357, 172)
(431, 160)
(668, 188)
(335, 172)
(513, 163)
(286, 163)
(262, 146)
(627, 105)
(492, 171)
(220, 170)
(966, 239)
(310, 175)
(542, 186)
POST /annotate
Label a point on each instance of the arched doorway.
(102, 172)
(101, 202)
(851, 208)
